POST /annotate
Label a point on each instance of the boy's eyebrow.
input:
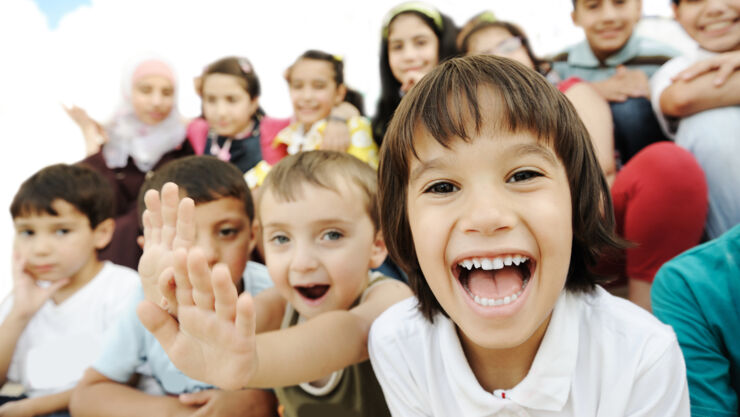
(320, 222)
(522, 149)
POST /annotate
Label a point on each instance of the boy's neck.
(502, 368)
(89, 271)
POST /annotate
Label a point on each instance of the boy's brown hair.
(529, 103)
(202, 178)
(324, 169)
(81, 186)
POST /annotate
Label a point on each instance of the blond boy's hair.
(326, 169)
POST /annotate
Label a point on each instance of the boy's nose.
(487, 212)
(304, 260)
(41, 245)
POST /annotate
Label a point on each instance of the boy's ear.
(379, 251)
(103, 233)
(254, 235)
(674, 7)
(341, 93)
(573, 15)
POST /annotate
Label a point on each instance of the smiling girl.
(316, 84)
(493, 207)
(415, 38)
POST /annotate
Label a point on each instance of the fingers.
(158, 322)
(153, 235)
(723, 73)
(200, 278)
(196, 398)
(224, 292)
(170, 200)
(183, 288)
(167, 291)
(695, 70)
(185, 226)
(246, 323)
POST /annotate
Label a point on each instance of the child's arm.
(28, 298)
(94, 134)
(706, 85)
(216, 342)
(244, 403)
(37, 406)
(337, 135)
(96, 396)
(625, 83)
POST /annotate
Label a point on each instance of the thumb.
(158, 322)
(196, 398)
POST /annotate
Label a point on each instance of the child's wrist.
(335, 118)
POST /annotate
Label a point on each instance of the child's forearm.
(684, 98)
(47, 404)
(311, 350)
(10, 331)
(97, 396)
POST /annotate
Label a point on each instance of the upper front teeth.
(488, 264)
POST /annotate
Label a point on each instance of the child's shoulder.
(622, 324)
(403, 323)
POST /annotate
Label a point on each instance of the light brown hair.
(326, 169)
(527, 103)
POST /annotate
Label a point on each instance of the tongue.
(495, 284)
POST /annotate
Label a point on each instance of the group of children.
(507, 188)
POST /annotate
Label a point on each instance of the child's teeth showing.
(495, 281)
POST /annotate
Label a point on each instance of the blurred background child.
(618, 64)
(697, 99)
(146, 132)
(64, 297)
(415, 37)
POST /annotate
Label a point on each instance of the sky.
(58, 52)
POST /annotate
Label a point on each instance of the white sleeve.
(401, 390)
(658, 83)
(661, 387)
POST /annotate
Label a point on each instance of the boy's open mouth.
(494, 281)
(312, 292)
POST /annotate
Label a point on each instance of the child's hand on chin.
(215, 340)
(412, 78)
(168, 232)
(29, 296)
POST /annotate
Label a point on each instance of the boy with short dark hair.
(697, 99)
(220, 213)
(618, 64)
(63, 297)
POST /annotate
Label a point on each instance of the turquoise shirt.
(698, 294)
(639, 53)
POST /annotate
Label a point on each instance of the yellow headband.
(413, 6)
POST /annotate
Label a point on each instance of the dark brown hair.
(326, 169)
(239, 67)
(81, 186)
(527, 103)
(202, 178)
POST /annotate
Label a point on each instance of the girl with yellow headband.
(415, 37)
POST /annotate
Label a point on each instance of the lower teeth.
(487, 302)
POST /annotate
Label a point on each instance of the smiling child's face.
(313, 90)
(713, 24)
(608, 24)
(320, 246)
(226, 104)
(491, 224)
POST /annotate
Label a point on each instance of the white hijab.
(130, 137)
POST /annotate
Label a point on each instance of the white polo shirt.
(600, 356)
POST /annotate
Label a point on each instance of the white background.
(80, 61)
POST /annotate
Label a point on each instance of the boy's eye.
(523, 175)
(228, 232)
(332, 235)
(279, 239)
(62, 232)
(441, 188)
(25, 232)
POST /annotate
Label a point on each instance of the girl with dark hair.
(234, 127)
(660, 195)
(316, 84)
(415, 37)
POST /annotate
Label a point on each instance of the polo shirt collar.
(546, 386)
(582, 56)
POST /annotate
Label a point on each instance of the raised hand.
(94, 134)
(169, 230)
(28, 296)
(215, 340)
